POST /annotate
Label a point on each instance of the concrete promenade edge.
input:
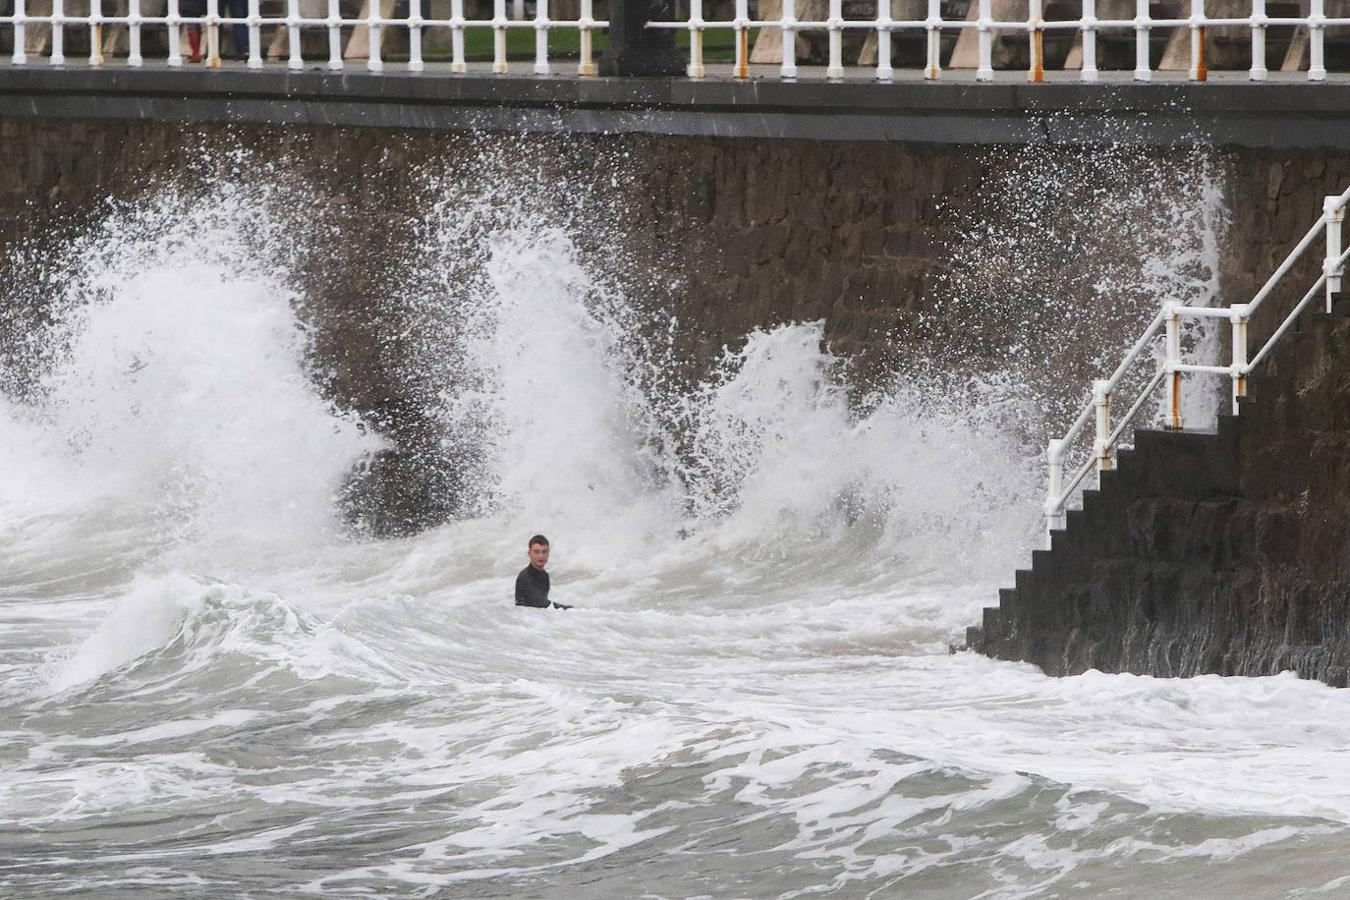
(1277, 114)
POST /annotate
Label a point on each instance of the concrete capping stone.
(1282, 115)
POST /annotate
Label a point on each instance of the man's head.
(538, 551)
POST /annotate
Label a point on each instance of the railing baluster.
(1101, 445)
(294, 60)
(1238, 319)
(789, 19)
(1258, 71)
(1198, 72)
(375, 33)
(415, 36)
(933, 26)
(95, 32)
(1317, 69)
(742, 39)
(1036, 42)
(457, 64)
(1173, 373)
(586, 64)
(541, 37)
(134, 34)
(19, 57)
(212, 34)
(173, 24)
(1089, 32)
(884, 70)
(695, 69)
(335, 36)
(499, 66)
(1334, 213)
(58, 57)
(985, 72)
(834, 71)
(254, 35)
(1054, 509)
(1142, 72)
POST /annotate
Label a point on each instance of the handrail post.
(1198, 71)
(212, 34)
(788, 69)
(134, 57)
(499, 65)
(1237, 316)
(294, 60)
(1173, 372)
(885, 71)
(1089, 25)
(95, 32)
(58, 52)
(1036, 41)
(1054, 509)
(834, 71)
(1142, 72)
(742, 39)
(334, 36)
(415, 61)
(985, 72)
(1334, 215)
(457, 64)
(1317, 30)
(586, 60)
(254, 35)
(1258, 71)
(1101, 446)
(933, 25)
(541, 23)
(20, 56)
(172, 21)
(695, 69)
(375, 38)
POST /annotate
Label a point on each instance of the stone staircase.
(1224, 552)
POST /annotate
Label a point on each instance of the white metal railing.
(1167, 324)
(362, 36)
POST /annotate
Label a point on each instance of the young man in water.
(532, 582)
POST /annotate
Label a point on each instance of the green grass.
(719, 45)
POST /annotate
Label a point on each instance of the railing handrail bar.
(1289, 319)
(1076, 480)
(1107, 438)
(1138, 348)
(1289, 261)
(1139, 402)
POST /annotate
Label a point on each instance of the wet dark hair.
(538, 539)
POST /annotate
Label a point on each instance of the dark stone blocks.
(1205, 553)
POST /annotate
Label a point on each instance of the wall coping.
(1226, 111)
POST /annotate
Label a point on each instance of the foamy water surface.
(210, 687)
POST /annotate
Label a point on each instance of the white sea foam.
(753, 697)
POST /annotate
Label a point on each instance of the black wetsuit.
(532, 588)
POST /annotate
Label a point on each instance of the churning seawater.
(210, 687)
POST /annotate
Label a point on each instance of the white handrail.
(1168, 318)
(371, 25)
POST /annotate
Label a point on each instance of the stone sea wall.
(726, 234)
